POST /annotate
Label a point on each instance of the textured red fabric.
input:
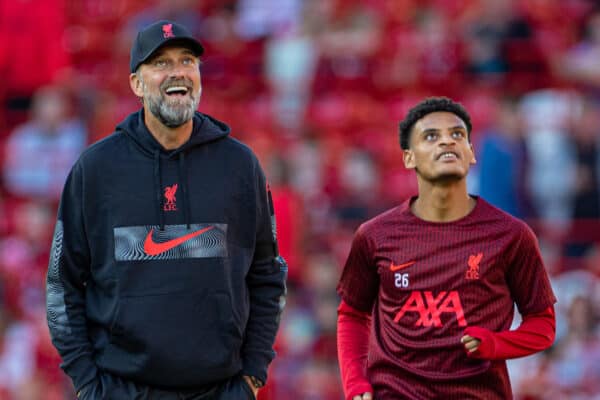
(33, 51)
(424, 283)
(289, 228)
(352, 343)
(536, 333)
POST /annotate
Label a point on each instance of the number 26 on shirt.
(401, 280)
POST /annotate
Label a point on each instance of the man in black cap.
(164, 280)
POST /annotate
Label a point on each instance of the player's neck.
(443, 203)
(169, 138)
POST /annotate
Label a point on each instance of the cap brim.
(188, 42)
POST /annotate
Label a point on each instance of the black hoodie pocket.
(176, 339)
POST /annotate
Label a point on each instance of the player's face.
(439, 148)
(169, 84)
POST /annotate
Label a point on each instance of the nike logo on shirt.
(153, 249)
(397, 267)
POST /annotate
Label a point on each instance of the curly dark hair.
(428, 106)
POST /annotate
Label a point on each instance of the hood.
(206, 129)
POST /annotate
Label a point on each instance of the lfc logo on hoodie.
(170, 199)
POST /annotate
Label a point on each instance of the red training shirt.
(424, 283)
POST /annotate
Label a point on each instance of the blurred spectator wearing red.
(32, 51)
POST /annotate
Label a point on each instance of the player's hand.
(471, 344)
(364, 396)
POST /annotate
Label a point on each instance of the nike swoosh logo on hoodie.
(153, 249)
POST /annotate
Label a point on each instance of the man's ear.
(409, 159)
(473, 160)
(136, 85)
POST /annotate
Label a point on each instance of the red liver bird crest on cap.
(168, 31)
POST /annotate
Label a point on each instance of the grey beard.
(172, 115)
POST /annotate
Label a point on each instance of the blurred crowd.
(316, 88)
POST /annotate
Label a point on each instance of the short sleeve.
(526, 274)
(359, 282)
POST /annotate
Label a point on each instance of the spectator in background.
(571, 368)
(575, 359)
(556, 373)
(351, 35)
(291, 56)
(358, 183)
(580, 62)
(306, 345)
(24, 253)
(502, 162)
(290, 218)
(551, 173)
(16, 354)
(40, 153)
(423, 55)
(234, 67)
(490, 32)
(27, 359)
(439, 54)
(263, 18)
(585, 210)
(32, 52)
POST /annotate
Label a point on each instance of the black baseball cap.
(158, 34)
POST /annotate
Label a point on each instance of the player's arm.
(536, 333)
(68, 272)
(358, 288)
(266, 285)
(352, 343)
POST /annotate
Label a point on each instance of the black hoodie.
(164, 267)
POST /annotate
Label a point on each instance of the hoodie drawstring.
(159, 195)
(184, 190)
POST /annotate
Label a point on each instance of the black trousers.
(111, 387)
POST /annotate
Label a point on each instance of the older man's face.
(170, 85)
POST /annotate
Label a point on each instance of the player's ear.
(135, 83)
(473, 160)
(409, 159)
